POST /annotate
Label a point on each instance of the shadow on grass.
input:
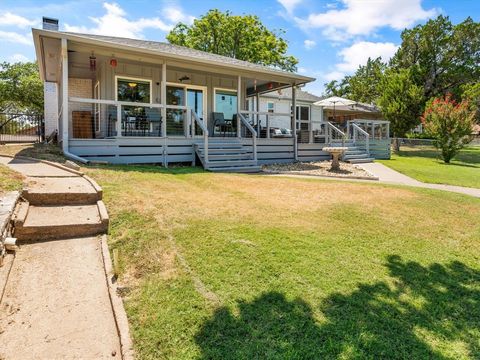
(469, 155)
(374, 321)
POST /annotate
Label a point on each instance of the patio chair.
(219, 120)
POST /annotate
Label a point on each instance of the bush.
(450, 124)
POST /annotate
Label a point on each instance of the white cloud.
(309, 44)
(115, 22)
(10, 19)
(16, 38)
(290, 5)
(18, 58)
(359, 17)
(175, 15)
(358, 54)
(333, 75)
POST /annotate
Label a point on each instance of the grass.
(423, 163)
(9, 180)
(38, 151)
(224, 266)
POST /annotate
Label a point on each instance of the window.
(133, 90)
(175, 117)
(270, 107)
(226, 103)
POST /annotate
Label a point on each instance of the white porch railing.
(201, 124)
(252, 131)
(262, 122)
(334, 133)
(357, 132)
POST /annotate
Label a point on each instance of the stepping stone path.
(56, 302)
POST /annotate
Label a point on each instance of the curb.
(119, 314)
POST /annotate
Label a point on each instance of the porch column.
(163, 98)
(239, 105)
(65, 130)
(257, 109)
(294, 121)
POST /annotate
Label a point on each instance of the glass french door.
(192, 98)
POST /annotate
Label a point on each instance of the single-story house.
(120, 100)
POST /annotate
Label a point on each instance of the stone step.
(60, 191)
(360, 161)
(37, 223)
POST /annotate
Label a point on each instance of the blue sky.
(330, 38)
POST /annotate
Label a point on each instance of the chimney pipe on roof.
(49, 23)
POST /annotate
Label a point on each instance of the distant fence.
(21, 128)
(429, 142)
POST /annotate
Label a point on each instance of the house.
(120, 100)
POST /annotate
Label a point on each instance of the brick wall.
(50, 92)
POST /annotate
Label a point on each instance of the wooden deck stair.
(354, 155)
(227, 155)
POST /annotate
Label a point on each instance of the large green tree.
(401, 102)
(363, 86)
(240, 37)
(442, 56)
(21, 89)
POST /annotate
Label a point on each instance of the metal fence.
(21, 128)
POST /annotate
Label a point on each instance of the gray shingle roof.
(301, 95)
(163, 47)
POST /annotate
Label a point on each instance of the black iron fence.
(21, 128)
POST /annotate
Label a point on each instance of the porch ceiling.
(157, 52)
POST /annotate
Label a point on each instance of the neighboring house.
(344, 113)
(137, 101)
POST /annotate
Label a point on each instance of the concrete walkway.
(387, 175)
(56, 303)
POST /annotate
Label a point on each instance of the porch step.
(223, 151)
(237, 169)
(60, 191)
(230, 162)
(222, 146)
(232, 156)
(37, 223)
(355, 156)
(360, 161)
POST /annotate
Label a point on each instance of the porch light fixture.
(93, 62)
(132, 84)
(184, 78)
(113, 62)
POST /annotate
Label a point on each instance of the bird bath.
(336, 152)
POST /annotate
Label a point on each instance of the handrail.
(264, 113)
(330, 127)
(366, 134)
(124, 103)
(205, 134)
(254, 134)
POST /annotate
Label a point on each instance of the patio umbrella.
(332, 101)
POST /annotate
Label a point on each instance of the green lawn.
(224, 266)
(9, 180)
(423, 163)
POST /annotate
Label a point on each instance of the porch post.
(163, 100)
(239, 105)
(294, 122)
(65, 130)
(257, 109)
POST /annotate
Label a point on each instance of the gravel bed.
(320, 168)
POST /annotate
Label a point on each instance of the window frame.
(273, 107)
(134, 79)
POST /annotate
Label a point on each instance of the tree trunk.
(396, 144)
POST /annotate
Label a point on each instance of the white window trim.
(194, 87)
(274, 107)
(134, 79)
(97, 107)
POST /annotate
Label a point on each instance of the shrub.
(450, 125)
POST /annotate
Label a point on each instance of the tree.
(364, 85)
(338, 88)
(240, 37)
(471, 93)
(21, 89)
(401, 102)
(441, 56)
(450, 123)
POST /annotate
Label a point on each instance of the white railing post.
(119, 120)
(268, 126)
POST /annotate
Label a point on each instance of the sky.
(330, 38)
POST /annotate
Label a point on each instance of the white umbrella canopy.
(332, 101)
